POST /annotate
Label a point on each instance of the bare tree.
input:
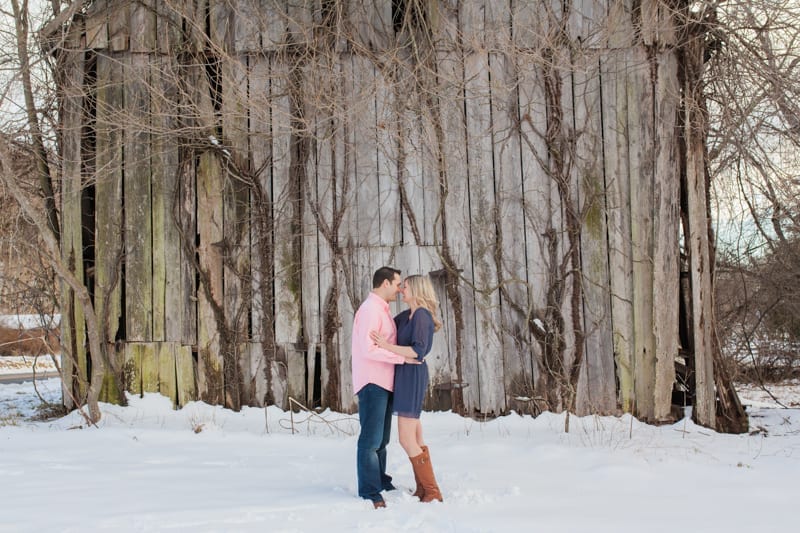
(753, 93)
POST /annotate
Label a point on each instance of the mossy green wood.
(167, 371)
(138, 201)
(170, 298)
(284, 206)
(185, 377)
(73, 325)
(132, 369)
(150, 352)
(596, 387)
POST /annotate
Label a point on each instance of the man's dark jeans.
(375, 417)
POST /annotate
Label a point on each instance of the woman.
(415, 328)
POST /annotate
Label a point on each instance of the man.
(373, 383)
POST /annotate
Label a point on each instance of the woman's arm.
(406, 351)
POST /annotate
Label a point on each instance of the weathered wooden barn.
(234, 171)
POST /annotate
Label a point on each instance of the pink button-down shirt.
(372, 364)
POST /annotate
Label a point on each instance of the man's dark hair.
(384, 274)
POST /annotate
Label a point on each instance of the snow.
(19, 364)
(203, 468)
(29, 321)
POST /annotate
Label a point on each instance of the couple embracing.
(390, 376)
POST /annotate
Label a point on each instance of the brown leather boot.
(424, 470)
(420, 491)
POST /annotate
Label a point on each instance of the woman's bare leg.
(407, 433)
(420, 441)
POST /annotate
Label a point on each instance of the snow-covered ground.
(21, 364)
(148, 468)
(18, 364)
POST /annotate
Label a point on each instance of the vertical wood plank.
(530, 21)
(344, 347)
(295, 372)
(704, 410)
(285, 204)
(411, 178)
(143, 26)
(185, 375)
(186, 213)
(618, 209)
(482, 208)
(221, 25)
(133, 367)
(258, 385)
(72, 321)
(640, 153)
(620, 23)
(386, 127)
(509, 255)
(298, 21)
(169, 25)
(588, 24)
(365, 150)
(441, 359)
(247, 36)
(455, 219)
(108, 213)
(597, 388)
(666, 255)
(236, 203)
(272, 23)
(150, 352)
(261, 210)
(95, 26)
(371, 23)
(169, 290)
(536, 188)
(138, 209)
(497, 25)
(565, 199)
(310, 276)
(210, 230)
(649, 20)
(332, 209)
(195, 20)
(167, 380)
(119, 25)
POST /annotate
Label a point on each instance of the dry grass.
(32, 342)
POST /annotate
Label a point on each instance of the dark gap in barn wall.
(88, 169)
(607, 209)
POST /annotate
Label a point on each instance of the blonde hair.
(422, 290)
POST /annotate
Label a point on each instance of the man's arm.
(363, 324)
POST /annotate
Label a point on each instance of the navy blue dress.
(411, 381)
